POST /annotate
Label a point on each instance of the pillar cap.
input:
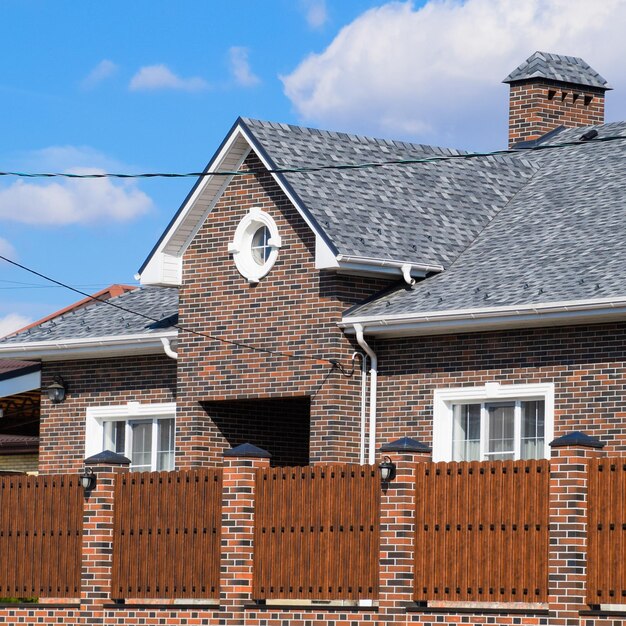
(107, 457)
(248, 450)
(577, 438)
(405, 444)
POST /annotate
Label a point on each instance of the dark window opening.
(279, 425)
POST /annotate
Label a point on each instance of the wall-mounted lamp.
(387, 469)
(88, 479)
(57, 390)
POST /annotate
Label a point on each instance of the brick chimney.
(551, 90)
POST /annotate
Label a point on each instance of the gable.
(164, 264)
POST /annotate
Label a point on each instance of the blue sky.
(154, 86)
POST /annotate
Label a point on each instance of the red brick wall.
(293, 310)
(147, 379)
(536, 107)
(587, 365)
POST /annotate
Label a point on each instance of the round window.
(255, 245)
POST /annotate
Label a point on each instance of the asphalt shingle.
(561, 238)
(426, 213)
(557, 67)
(100, 319)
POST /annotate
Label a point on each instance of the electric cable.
(155, 320)
(315, 168)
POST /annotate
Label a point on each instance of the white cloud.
(240, 67)
(6, 249)
(434, 73)
(154, 77)
(62, 201)
(105, 69)
(315, 11)
(12, 322)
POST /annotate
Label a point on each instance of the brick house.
(477, 305)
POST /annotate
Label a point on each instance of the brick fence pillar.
(97, 557)
(397, 527)
(240, 465)
(568, 525)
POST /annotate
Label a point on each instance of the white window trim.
(241, 245)
(443, 399)
(96, 415)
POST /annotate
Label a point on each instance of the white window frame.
(97, 415)
(444, 399)
(241, 245)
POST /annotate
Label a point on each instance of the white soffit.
(20, 384)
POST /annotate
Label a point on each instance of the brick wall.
(536, 107)
(293, 310)
(587, 365)
(147, 379)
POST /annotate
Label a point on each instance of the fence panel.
(316, 532)
(167, 528)
(482, 531)
(41, 526)
(606, 531)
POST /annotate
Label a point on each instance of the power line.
(155, 320)
(312, 168)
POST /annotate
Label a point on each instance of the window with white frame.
(493, 422)
(145, 433)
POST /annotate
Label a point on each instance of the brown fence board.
(606, 531)
(316, 532)
(482, 531)
(41, 521)
(167, 529)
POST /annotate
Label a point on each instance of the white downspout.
(373, 378)
(167, 346)
(363, 358)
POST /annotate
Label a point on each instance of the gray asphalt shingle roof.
(102, 320)
(558, 67)
(562, 237)
(424, 213)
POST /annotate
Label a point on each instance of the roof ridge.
(357, 137)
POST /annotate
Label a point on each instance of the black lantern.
(88, 479)
(387, 470)
(57, 390)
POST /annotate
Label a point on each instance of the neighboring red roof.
(10, 368)
(110, 292)
(18, 443)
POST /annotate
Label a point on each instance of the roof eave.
(497, 318)
(93, 347)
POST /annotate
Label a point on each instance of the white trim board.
(494, 391)
(84, 348)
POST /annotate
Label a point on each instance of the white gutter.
(98, 347)
(167, 347)
(468, 320)
(373, 266)
(373, 379)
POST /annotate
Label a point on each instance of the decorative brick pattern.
(537, 107)
(587, 365)
(147, 379)
(568, 532)
(293, 311)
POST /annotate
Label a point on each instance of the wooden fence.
(606, 531)
(41, 521)
(167, 529)
(316, 532)
(482, 531)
